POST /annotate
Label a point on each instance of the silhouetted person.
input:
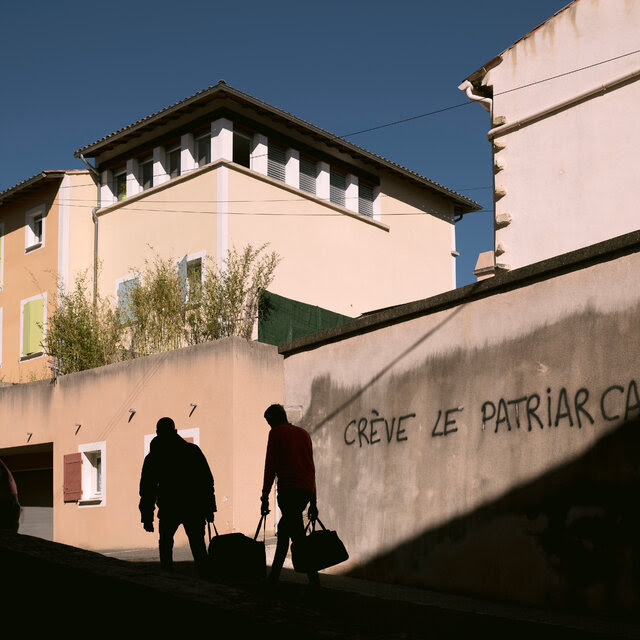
(176, 477)
(290, 458)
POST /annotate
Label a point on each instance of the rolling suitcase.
(236, 556)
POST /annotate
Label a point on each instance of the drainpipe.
(487, 103)
(95, 256)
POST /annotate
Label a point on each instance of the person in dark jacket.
(176, 477)
(290, 458)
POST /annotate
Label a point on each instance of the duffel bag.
(236, 556)
(318, 550)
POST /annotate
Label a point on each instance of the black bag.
(318, 550)
(236, 556)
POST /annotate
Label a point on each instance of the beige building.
(563, 103)
(221, 169)
(43, 227)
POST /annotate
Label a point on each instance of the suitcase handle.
(262, 519)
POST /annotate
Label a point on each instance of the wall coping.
(504, 281)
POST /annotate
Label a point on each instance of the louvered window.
(365, 200)
(337, 187)
(276, 162)
(308, 175)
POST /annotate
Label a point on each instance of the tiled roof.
(222, 88)
(23, 184)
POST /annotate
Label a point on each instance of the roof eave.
(30, 182)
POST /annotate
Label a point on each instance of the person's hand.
(313, 512)
(148, 526)
(264, 506)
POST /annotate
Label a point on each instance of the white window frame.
(193, 432)
(31, 242)
(189, 258)
(35, 354)
(119, 281)
(91, 497)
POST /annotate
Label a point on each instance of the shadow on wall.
(577, 528)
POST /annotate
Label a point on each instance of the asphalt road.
(52, 587)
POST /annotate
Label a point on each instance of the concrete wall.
(569, 174)
(231, 382)
(485, 441)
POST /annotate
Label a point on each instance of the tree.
(81, 335)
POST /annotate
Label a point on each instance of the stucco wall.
(26, 274)
(486, 442)
(569, 175)
(231, 382)
(350, 265)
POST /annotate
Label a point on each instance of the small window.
(120, 184)
(242, 149)
(34, 229)
(337, 187)
(276, 161)
(190, 270)
(365, 200)
(146, 173)
(32, 326)
(203, 150)
(124, 291)
(308, 175)
(173, 162)
(93, 473)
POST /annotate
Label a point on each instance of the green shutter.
(32, 326)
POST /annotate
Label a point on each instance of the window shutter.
(182, 272)
(276, 162)
(365, 200)
(32, 327)
(308, 175)
(337, 187)
(125, 302)
(72, 477)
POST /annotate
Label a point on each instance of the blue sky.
(74, 71)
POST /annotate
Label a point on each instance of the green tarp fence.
(283, 319)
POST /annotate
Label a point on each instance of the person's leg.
(167, 528)
(194, 528)
(300, 500)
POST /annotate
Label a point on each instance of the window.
(190, 270)
(276, 161)
(146, 173)
(242, 148)
(203, 149)
(120, 184)
(337, 187)
(124, 295)
(32, 326)
(34, 229)
(173, 162)
(93, 465)
(308, 174)
(365, 200)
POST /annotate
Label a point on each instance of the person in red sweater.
(290, 458)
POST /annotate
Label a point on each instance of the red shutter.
(72, 477)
